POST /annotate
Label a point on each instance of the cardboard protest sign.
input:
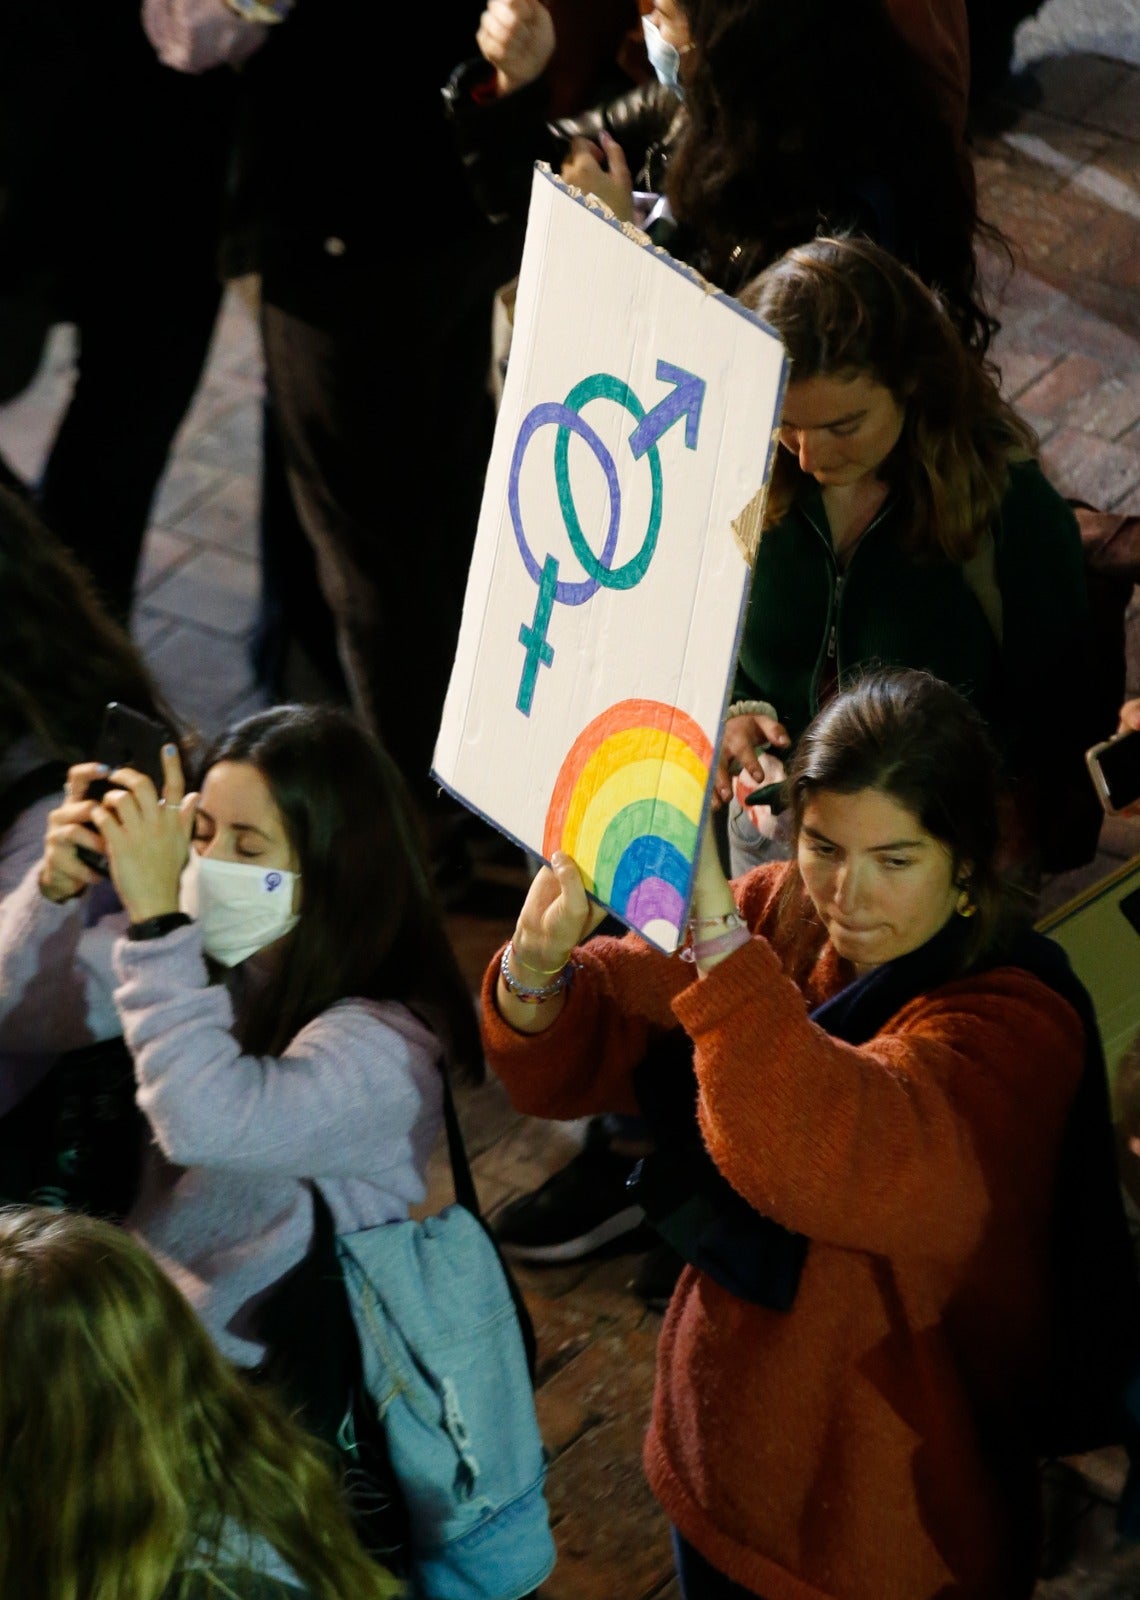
(606, 592)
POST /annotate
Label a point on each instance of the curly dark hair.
(818, 117)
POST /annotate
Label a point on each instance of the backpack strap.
(467, 1197)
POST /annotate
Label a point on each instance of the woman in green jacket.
(908, 524)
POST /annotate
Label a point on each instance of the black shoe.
(656, 1277)
(580, 1209)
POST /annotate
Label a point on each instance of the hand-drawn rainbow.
(627, 805)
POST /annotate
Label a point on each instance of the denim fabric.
(445, 1364)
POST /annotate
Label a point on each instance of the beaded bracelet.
(727, 919)
(562, 979)
(752, 708)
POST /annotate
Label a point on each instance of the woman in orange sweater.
(859, 1081)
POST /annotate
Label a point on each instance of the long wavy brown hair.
(816, 116)
(844, 307)
(130, 1450)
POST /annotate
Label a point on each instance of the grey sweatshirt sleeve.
(356, 1094)
(56, 978)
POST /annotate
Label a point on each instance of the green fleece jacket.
(808, 620)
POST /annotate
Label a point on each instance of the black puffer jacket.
(500, 139)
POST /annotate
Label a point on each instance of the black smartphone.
(1115, 769)
(126, 739)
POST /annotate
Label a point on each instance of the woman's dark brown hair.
(843, 308)
(810, 116)
(370, 926)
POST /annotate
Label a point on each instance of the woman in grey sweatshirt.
(275, 960)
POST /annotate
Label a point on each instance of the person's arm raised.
(557, 915)
(717, 928)
(516, 37)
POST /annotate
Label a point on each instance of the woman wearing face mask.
(285, 985)
(908, 522)
(854, 1366)
(764, 123)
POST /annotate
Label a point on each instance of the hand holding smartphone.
(127, 739)
(1114, 766)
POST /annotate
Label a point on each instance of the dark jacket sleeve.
(500, 138)
(1045, 665)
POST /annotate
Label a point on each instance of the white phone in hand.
(1115, 769)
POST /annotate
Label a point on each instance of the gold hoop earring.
(964, 906)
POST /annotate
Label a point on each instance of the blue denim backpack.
(447, 1352)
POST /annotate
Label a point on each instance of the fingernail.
(102, 769)
(169, 750)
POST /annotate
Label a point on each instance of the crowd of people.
(867, 1102)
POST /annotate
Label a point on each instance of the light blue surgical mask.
(664, 58)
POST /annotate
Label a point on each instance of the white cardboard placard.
(606, 593)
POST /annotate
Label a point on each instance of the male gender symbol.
(684, 401)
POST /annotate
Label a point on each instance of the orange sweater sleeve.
(584, 1064)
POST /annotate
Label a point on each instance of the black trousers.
(143, 340)
(112, 171)
(385, 422)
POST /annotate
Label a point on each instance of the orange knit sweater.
(852, 1448)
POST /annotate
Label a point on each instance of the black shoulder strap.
(467, 1197)
(461, 1177)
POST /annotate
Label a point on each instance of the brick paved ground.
(1064, 181)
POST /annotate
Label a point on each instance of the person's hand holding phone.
(146, 836)
(1130, 723)
(741, 743)
(72, 841)
(601, 169)
(1114, 765)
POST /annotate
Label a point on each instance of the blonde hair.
(129, 1446)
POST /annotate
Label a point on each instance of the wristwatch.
(158, 927)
